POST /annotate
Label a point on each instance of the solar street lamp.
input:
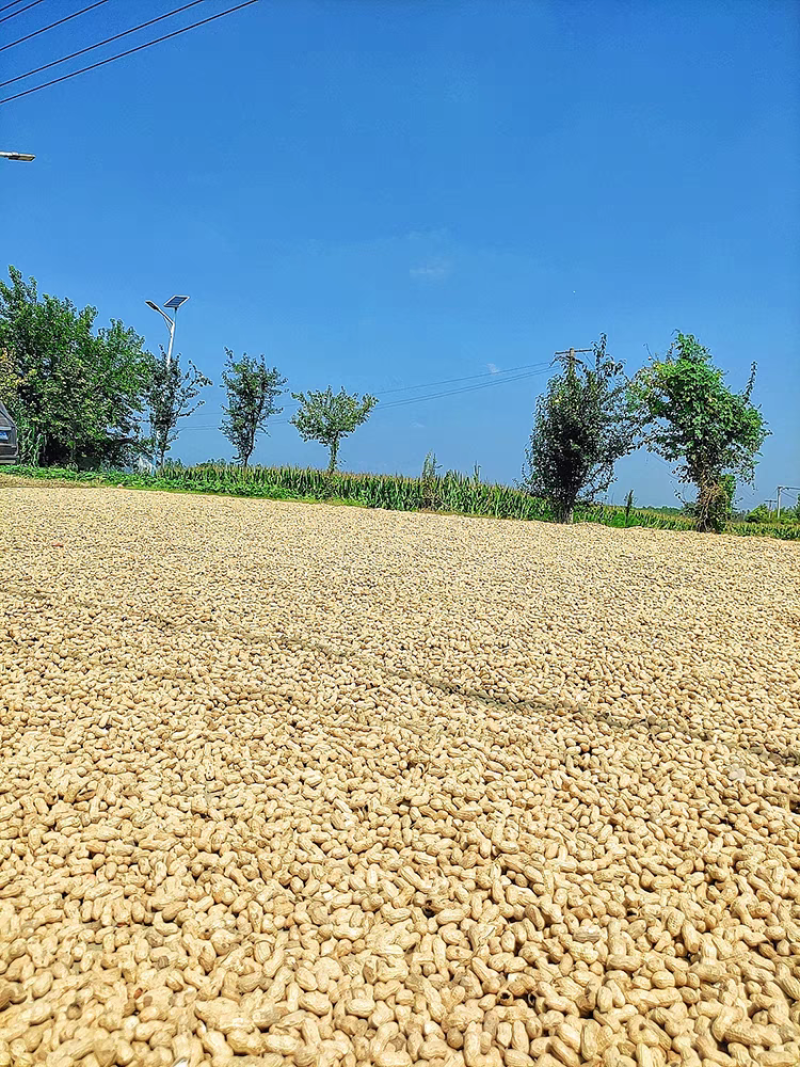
(20, 157)
(174, 303)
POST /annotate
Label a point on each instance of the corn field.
(452, 493)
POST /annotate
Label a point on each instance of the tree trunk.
(710, 506)
(334, 454)
(565, 513)
(251, 445)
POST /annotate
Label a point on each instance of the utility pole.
(788, 488)
(571, 359)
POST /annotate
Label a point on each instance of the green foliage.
(429, 480)
(759, 514)
(76, 394)
(252, 391)
(726, 500)
(713, 508)
(328, 417)
(453, 493)
(668, 510)
(170, 396)
(10, 380)
(699, 423)
(718, 505)
(628, 505)
(582, 425)
(430, 468)
(763, 513)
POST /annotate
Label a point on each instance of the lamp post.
(20, 157)
(174, 303)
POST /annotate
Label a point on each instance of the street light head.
(21, 157)
(176, 301)
(154, 307)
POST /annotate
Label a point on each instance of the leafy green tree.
(713, 433)
(9, 379)
(328, 417)
(171, 394)
(759, 514)
(252, 391)
(583, 424)
(78, 395)
(121, 375)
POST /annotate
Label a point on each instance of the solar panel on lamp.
(176, 302)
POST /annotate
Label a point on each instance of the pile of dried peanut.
(291, 784)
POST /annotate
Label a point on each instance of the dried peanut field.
(296, 784)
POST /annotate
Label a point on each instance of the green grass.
(452, 493)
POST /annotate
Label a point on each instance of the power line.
(15, 13)
(52, 25)
(418, 399)
(108, 40)
(129, 52)
(449, 381)
(13, 3)
(495, 375)
(457, 392)
(467, 378)
(793, 489)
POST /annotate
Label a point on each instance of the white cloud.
(417, 425)
(492, 368)
(436, 270)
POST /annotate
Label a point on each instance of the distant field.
(287, 784)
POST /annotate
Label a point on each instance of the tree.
(328, 417)
(583, 424)
(78, 395)
(170, 397)
(714, 433)
(252, 391)
(9, 379)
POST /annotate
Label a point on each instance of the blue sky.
(380, 193)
